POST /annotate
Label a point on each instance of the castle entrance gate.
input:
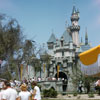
(63, 77)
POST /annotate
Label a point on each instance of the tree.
(45, 59)
(10, 40)
(14, 48)
(28, 55)
(78, 77)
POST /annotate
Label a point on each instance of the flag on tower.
(90, 61)
(58, 71)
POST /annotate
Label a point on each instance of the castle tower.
(86, 38)
(51, 41)
(74, 28)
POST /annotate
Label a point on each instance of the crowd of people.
(15, 90)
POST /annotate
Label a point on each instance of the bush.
(64, 93)
(91, 95)
(46, 93)
(50, 93)
(75, 94)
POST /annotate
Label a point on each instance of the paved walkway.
(79, 96)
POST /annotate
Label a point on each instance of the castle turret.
(51, 41)
(74, 28)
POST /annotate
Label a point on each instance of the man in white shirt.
(2, 90)
(9, 93)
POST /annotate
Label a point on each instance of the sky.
(38, 18)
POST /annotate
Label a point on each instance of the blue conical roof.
(52, 38)
(67, 37)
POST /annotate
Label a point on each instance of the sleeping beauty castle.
(64, 56)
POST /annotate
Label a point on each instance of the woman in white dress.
(36, 92)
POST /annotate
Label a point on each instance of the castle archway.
(63, 77)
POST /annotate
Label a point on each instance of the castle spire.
(81, 40)
(73, 10)
(74, 28)
(86, 37)
(66, 24)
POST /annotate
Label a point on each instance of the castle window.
(61, 43)
(62, 53)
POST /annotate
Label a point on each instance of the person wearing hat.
(24, 94)
(36, 92)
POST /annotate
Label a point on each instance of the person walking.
(9, 93)
(24, 94)
(36, 92)
(2, 90)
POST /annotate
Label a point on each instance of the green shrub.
(50, 93)
(46, 93)
(91, 95)
(53, 93)
(75, 94)
(64, 93)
